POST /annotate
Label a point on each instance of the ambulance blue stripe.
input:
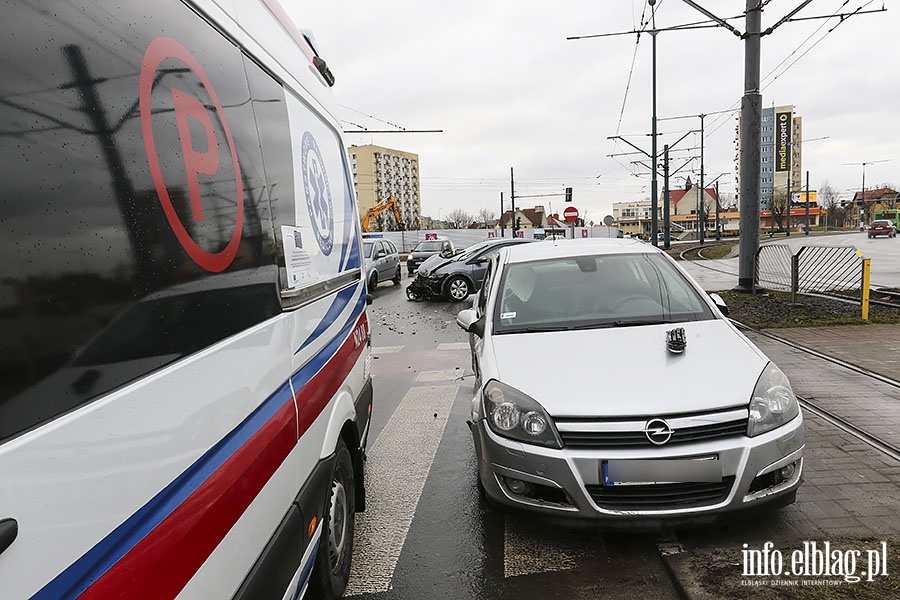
(338, 305)
(99, 559)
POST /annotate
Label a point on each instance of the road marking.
(443, 375)
(386, 349)
(530, 548)
(397, 466)
(454, 346)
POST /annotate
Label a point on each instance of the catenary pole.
(751, 117)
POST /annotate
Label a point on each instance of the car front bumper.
(424, 287)
(570, 482)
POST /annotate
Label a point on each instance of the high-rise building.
(379, 173)
(780, 155)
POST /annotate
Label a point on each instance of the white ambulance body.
(184, 349)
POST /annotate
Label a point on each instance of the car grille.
(629, 433)
(660, 496)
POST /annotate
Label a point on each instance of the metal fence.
(814, 269)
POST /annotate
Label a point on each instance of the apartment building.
(379, 173)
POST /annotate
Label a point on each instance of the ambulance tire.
(332, 570)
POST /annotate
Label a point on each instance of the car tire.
(373, 281)
(458, 289)
(332, 567)
(398, 277)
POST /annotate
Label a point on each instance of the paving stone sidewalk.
(851, 491)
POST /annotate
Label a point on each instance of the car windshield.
(428, 246)
(595, 291)
(367, 248)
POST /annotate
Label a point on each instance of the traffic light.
(568, 194)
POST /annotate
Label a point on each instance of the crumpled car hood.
(628, 371)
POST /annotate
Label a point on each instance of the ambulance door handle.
(9, 529)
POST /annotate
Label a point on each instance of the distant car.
(882, 227)
(586, 358)
(382, 261)
(426, 249)
(661, 236)
(457, 277)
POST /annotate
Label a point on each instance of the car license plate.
(667, 470)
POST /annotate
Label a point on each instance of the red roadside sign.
(570, 214)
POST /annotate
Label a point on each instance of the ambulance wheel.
(332, 570)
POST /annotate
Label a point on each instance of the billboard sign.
(782, 141)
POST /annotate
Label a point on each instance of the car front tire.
(373, 281)
(458, 289)
(332, 569)
(398, 277)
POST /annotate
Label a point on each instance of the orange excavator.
(390, 203)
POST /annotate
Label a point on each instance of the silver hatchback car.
(611, 386)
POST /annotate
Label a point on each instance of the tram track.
(832, 418)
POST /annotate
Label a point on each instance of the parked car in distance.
(382, 261)
(457, 277)
(882, 227)
(587, 357)
(427, 248)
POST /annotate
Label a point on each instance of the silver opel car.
(611, 386)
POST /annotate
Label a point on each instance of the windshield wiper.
(535, 329)
(635, 322)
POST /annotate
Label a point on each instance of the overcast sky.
(509, 90)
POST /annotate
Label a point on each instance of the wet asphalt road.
(426, 533)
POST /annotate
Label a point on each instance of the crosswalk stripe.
(454, 346)
(443, 375)
(386, 349)
(396, 469)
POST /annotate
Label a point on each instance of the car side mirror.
(380, 254)
(720, 304)
(468, 320)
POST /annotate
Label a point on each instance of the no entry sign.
(570, 214)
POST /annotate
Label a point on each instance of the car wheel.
(373, 281)
(458, 289)
(332, 568)
(398, 277)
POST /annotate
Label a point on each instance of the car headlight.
(512, 414)
(773, 403)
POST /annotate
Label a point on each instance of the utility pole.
(512, 199)
(862, 193)
(666, 209)
(701, 213)
(751, 118)
(806, 205)
(501, 214)
(718, 226)
(654, 207)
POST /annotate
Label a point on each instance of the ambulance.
(185, 388)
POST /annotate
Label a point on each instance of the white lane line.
(454, 346)
(443, 375)
(396, 469)
(529, 549)
(386, 349)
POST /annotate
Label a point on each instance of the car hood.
(628, 371)
(432, 264)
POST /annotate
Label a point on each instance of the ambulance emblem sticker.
(318, 194)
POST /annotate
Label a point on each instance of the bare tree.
(828, 197)
(779, 206)
(486, 216)
(458, 219)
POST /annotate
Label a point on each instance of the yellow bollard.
(867, 264)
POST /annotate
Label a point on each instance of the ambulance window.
(117, 259)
